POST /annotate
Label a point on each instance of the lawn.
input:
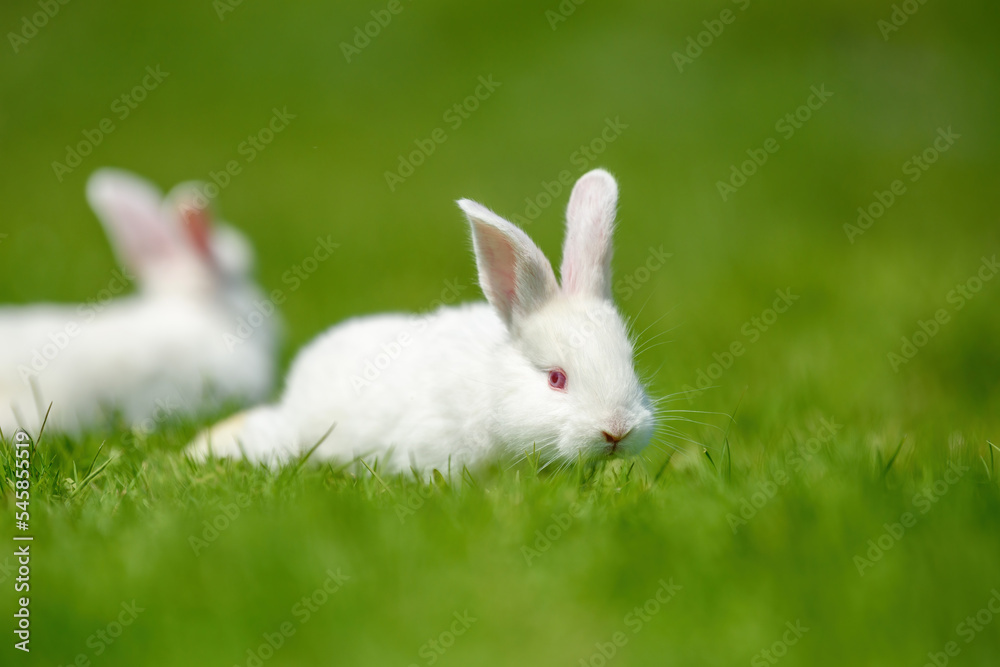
(807, 238)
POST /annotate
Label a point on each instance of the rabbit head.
(170, 245)
(565, 379)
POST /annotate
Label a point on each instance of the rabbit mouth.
(613, 449)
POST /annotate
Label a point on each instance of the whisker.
(671, 445)
(693, 421)
(647, 348)
(682, 395)
(680, 436)
(705, 412)
(655, 322)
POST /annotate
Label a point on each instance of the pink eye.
(557, 379)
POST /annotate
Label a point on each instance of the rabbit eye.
(557, 379)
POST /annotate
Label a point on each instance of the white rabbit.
(171, 349)
(539, 367)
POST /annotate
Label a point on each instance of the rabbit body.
(538, 368)
(169, 350)
(378, 379)
(146, 358)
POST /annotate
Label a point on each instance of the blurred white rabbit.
(171, 349)
(540, 367)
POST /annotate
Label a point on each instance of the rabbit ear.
(129, 209)
(513, 272)
(590, 222)
(190, 208)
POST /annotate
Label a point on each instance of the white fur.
(158, 354)
(466, 384)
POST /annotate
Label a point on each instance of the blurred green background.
(681, 132)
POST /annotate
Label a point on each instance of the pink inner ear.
(142, 234)
(499, 259)
(569, 278)
(198, 225)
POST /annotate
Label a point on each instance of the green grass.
(548, 565)
(114, 524)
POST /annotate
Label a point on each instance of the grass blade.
(378, 477)
(892, 459)
(301, 462)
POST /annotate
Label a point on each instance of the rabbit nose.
(615, 436)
